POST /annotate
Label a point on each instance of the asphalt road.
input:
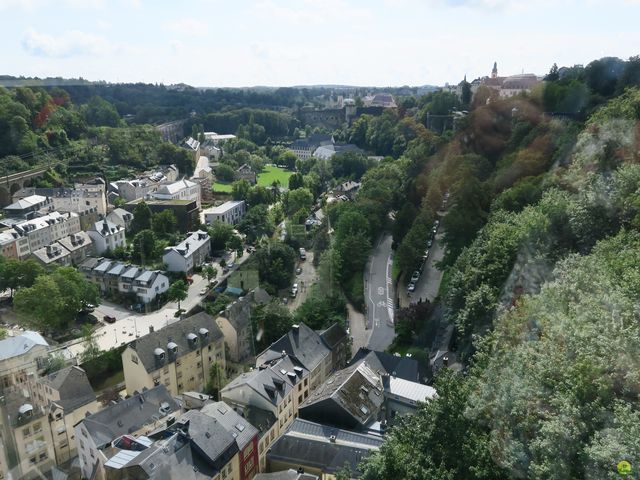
(379, 295)
(429, 283)
(305, 280)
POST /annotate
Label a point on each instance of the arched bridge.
(10, 184)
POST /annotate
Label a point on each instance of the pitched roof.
(272, 381)
(129, 415)
(177, 333)
(300, 342)
(334, 335)
(15, 346)
(239, 312)
(210, 437)
(76, 241)
(414, 391)
(192, 243)
(175, 187)
(237, 426)
(105, 228)
(313, 445)
(356, 390)
(27, 202)
(401, 367)
(225, 207)
(73, 386)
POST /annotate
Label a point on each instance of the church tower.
(494, 72)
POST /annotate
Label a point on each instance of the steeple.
(494, 72)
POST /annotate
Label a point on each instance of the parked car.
(204, 291)
(436, 223)
(213, 283)
(109, 319)
(298, 271)
(415, 277)
(429, 243)
(411, 287)
(303, 254)
(294, 291)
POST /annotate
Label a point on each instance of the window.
(209, 347)
(43, 456)
(134, 359)
(26, 432)
(299, 398)
(305, 381)
(32, 460)
(248, 466)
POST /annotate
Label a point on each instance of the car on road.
(204, 291)
(415, 277)
(298, 271)
(303, 254)
(294, 291)
(213, 283)
(429, 243)
(411, 287)
(436, 223)
(434, 230)
(230, 265)
(109, 319)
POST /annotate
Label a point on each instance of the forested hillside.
(542, 266)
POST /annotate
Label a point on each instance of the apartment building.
(82, 199)
(187, 212)
(279, 387)
(179, 356)
(106, 235)
(311, 350)
(120, 217)
(97, 435)
(45, 230)
(229, 212)
(180, 190)
(188, 254)
(13, 245)
(112, 276)
(21, 357)
(29, 206)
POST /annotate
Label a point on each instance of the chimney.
(295, 328)
(445, 360)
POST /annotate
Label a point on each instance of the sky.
(235, 43)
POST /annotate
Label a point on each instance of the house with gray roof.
(120, 217)
(235, 323)
(351, 398)
(179, 356)
(321, 450)
(188, 254)
(114, 276)
(307, 347)
(290, 474)
(139, 413)
(106, 235)
(394, 365)
(21, 357)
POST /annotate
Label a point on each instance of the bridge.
(10, 184)
(172, 131)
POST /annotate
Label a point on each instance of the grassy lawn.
(222, 187)
(271, 173)
(110, 381)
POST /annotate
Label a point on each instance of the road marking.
(380, 291)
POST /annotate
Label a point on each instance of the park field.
(270, 174)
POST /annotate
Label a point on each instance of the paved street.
(130, 324)
(429, 283)
(305, 280)
(379, 295)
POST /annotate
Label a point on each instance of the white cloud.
(68, 44)
(188, 26)
(303, 13)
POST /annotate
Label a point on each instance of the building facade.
(106, 235)
(188, 254)
(229, 212)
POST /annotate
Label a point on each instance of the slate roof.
(75, 241)
(177, 333)
(128, 416)
(309, 444)
(175, 187)
(26, 202)
(210, 437)
(73, 386)
(191, 244)
(333, 335)
(105, 228)
(357, 390)
(402, 367)
(273, 381)
(15, 346)
(239, 312)
(303, 343)
(236, 425)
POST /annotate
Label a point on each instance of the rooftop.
(238, 426)
(153, 349)
(401, 367)
(15, 346)
(73, 386)
(302, 343)
(192, 243)
(225, 207)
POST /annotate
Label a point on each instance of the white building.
(189, 254)
(43, 231)
(228, 212)
(121, 217)
(180, 190)
(106, 236)
(83, 198)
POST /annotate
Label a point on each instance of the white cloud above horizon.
(293, 42)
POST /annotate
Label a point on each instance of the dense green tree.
(164, 224)
(270, 322)
(296, 200)
(256, 223)
(276, 261)
(101, 113)
(240, 189)
(16, 274)
(225, 173)
(296, 181)
(178, 291)
(220, 233)
(144, 247)
(320, 311)
(142, 218)
(54, 300)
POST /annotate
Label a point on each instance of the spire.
(494, 72)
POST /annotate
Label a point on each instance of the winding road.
(379, 295)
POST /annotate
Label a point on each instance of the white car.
(415, 277)
(411, 287)
(294, 290)
(204, 291)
